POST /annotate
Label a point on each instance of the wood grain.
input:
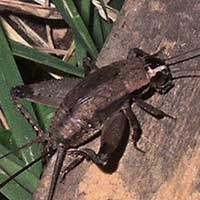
(170, 167)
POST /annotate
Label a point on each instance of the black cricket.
(99, 102)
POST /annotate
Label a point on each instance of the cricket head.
(160, 77)
(158, 72)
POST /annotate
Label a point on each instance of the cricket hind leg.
(25, 112)
(114, 137)
(61, 152)
(78, 160)
(80, 155)
(41, 136)
(113, 142)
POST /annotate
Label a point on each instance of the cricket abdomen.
(71, 129)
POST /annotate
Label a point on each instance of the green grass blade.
(97, 31)
(26, 182)
(72, 17)
(106, 28)
(117, 4)
(5, 137)
(80, 50)
(14, 191)
(9, 77)
(21, 130)
(45, 59)
(85, 11)
(45, 115)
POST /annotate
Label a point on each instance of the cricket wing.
(51, 92)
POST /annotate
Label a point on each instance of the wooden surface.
(170, 167)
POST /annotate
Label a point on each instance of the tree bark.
(170, 167)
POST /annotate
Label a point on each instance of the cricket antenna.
(182, 54)
(25, 168)
(183, 60)
(40, 139)
(177, 70)
(185, 76)
(37, 140)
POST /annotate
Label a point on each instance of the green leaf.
(23, 185)
(14, 191)
(45, 115)
(117, 4)
(80, 50)
(106, 28)
(97, 30)
(45, 59)
(5, 137)
(21, 130)
(72, 17)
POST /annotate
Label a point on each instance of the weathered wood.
(170, 167)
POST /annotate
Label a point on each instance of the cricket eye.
(162, 81)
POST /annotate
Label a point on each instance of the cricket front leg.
(134, 125)
(135, 52)
(158, 114)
